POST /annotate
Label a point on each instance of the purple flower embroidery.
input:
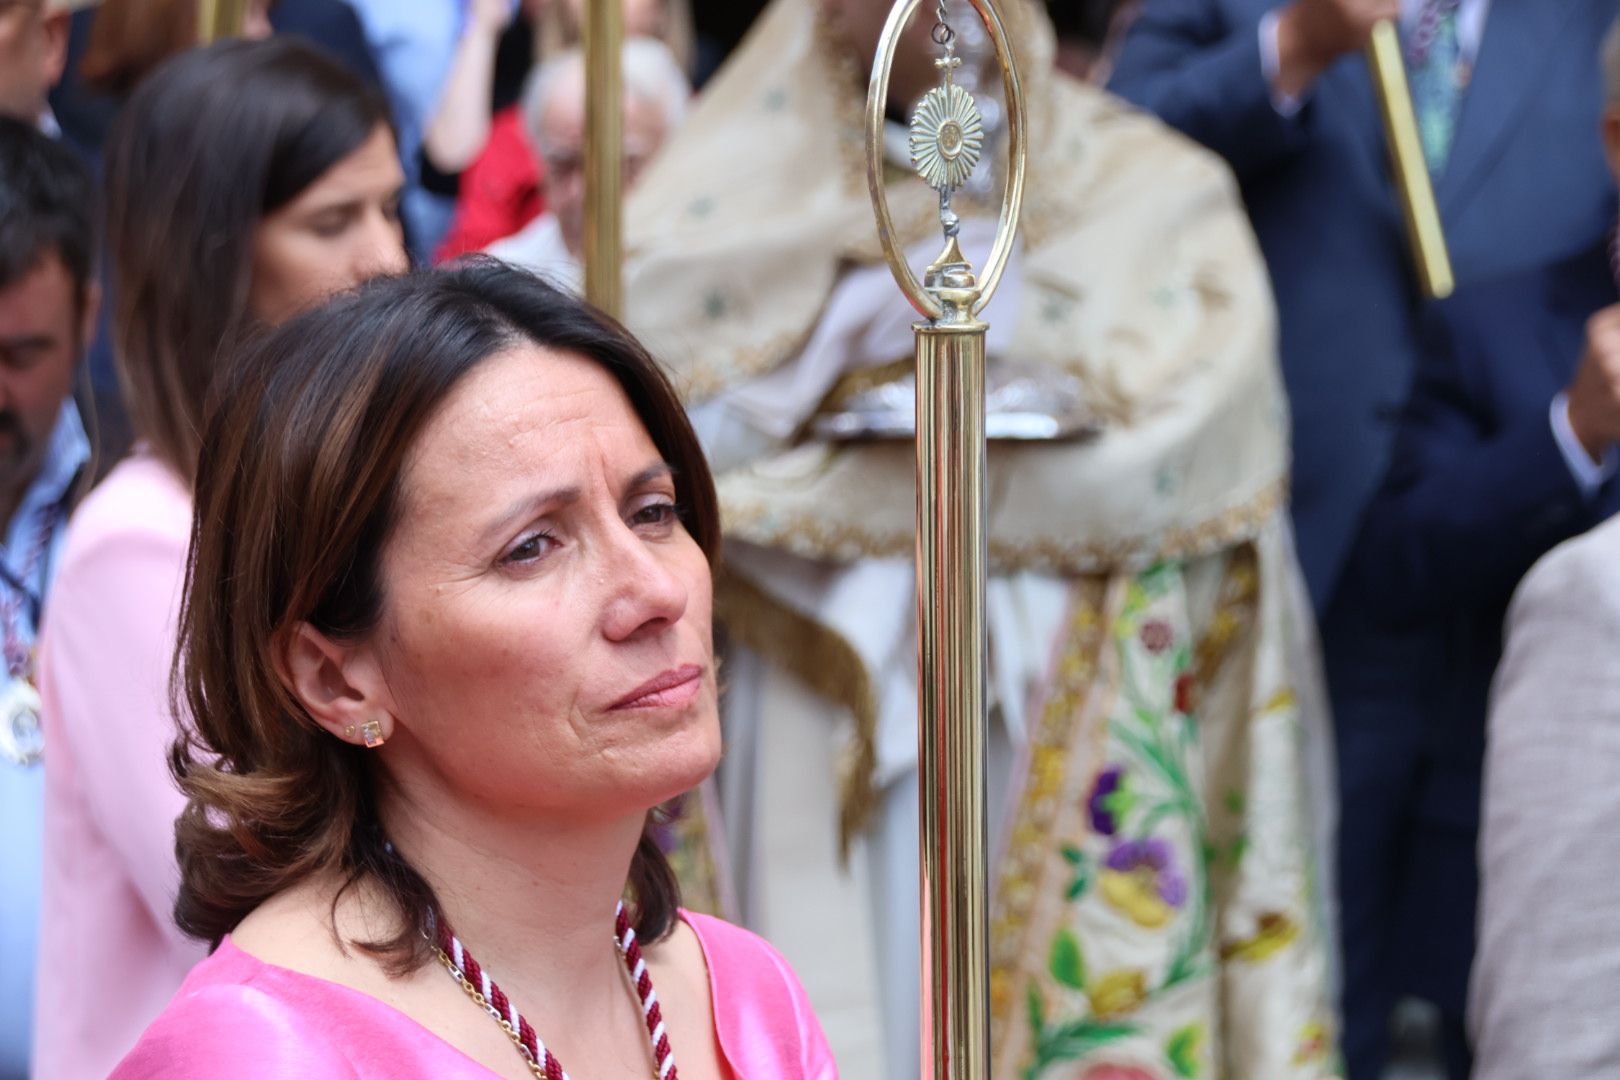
(1140, 879)
(1109, 801)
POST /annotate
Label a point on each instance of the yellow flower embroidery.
(1276, 932)
(1135, 893)
(1119, 993)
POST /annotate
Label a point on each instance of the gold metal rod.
(953, 842)
(219, 19)
(1422, 213)
(604, 155)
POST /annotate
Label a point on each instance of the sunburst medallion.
(947, 136)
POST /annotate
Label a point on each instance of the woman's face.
(546, 638)
(338, 232)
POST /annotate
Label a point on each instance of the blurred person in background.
(130, 38)
(655, 96)
(113, 46)
(562, 25)
(1505, 449)
(1544, 992)
(1089, 33)
(429, 50)
(479, 132)
(48, 301)
(1507, 96)
(476, 138)
(414, 44)
(33, 50)
(270, 173)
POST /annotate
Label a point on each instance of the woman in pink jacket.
(244, 181)
(446, 643)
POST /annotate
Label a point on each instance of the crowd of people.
(370, 601)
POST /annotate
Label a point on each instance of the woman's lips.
(672, 689)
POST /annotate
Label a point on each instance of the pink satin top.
(238, 1016)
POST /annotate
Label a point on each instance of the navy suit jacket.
(1525, 186)
(1477, 491)
(333, 26)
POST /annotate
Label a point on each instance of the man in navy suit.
(1508, 94)
(1281, 92)
(1504, 450)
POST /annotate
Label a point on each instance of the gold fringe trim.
(813, 537)
(828, 664)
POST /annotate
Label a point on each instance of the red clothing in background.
(500, 190)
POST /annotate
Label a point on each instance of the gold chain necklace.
(484, 992)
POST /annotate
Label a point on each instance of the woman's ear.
(339, 685)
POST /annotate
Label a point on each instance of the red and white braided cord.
(630, 949)
(501, 1007)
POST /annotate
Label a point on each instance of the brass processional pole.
(219, 19)
(1422, 213)
(947, 139)
(604, 155)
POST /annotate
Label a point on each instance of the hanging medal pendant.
(22, 740)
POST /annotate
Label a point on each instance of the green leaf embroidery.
(1077, 887)
(1185, 1051)
(1066, 963)
(1074, 1041)
(1037, 1009)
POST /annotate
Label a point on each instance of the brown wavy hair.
(298, 491)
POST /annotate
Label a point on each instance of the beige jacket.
(1545, 996)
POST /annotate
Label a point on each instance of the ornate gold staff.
(947, 137)
(604, 154)
(1422, 214)
(219, 19)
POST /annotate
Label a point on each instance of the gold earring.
(371, 732)
(348, 732)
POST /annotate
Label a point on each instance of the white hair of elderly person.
(656, 93)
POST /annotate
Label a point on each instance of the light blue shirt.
(414, 42)
(1590, 476)
(22, 788)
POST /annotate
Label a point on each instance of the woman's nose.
(647, 593)
(381, 249)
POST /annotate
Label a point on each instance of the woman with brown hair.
(446, 643)
(245, 182)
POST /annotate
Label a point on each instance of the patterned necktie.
(1437, 72)
(1614, 253)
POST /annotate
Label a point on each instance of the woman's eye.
(329, 226)
(528, 549)
(659, 513)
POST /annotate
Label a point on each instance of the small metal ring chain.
(944, 36)
(482, 1002)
